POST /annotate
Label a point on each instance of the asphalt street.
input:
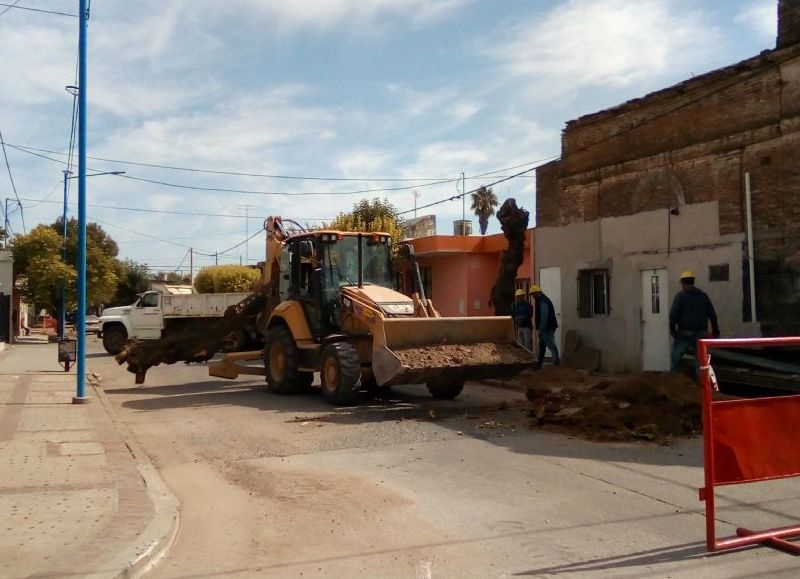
(409, 486)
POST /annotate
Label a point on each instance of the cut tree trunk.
(514, 222)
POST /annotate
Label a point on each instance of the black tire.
(341, 370)
(282, 359)
(445, 390)
(114, 339)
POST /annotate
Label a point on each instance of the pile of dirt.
(654, 406)
(450, 355)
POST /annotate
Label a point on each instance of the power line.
(460, 195)
(243, 242)
(240, 174)
(13, 186)
(183, 245)
(430, 183)
(171, 211)
(14, 5)
(10, 7)
(286, 193)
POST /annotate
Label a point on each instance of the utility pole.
(63, 317)
(246, 230)
(83, 29)
(216, 258)
(191, 266)
(463, 205)
(5, 226)
(416, 195)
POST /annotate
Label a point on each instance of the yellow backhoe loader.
(333, 310)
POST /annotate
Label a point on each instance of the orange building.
(458, 272)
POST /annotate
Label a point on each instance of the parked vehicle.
(154, 314)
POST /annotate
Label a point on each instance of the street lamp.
(67, 176)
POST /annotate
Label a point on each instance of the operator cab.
(315, 266)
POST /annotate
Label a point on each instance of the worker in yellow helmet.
(523, 314)
(689, 317)
(546, 325)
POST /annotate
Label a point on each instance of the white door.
(655, 320)
(550, 280)
(146, 317)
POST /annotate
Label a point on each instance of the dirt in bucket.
(443, 355)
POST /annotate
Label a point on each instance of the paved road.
(413, 487)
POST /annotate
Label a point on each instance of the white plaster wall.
(7, 276)
(626, 246)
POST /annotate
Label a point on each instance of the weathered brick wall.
(690, 144)
(788, 22)
(547, 195)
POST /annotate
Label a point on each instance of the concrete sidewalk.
(77, 496)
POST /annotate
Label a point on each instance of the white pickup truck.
(154, 314)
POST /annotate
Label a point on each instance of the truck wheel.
(281, 359)
(114, 339)
(445, 390)
(341, 370)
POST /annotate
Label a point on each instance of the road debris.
(652, 406)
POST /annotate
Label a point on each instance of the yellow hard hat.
(519, 292)
(688, 273)
(535, 288)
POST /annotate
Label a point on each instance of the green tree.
(368, 216)
(217, 279)
(37, 258)
(483, 203)
(102, 268)
(134, 278)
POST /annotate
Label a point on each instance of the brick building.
(658, 185)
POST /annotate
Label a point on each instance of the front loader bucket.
(426, 350)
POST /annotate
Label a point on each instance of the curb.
(156, 541)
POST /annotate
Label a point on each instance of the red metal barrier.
(747, 441)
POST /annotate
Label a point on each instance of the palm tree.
(483, 203)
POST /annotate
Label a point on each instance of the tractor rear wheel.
(445, 390)
(282, 360)
(341, 370)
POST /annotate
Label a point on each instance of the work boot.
(557, 363)
(537, 365)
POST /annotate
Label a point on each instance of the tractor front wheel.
(341, 370)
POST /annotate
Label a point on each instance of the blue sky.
(346, 89)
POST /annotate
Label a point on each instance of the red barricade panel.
(756, 439)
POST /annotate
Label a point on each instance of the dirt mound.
(652, 406)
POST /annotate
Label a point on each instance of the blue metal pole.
(80, 323)
(64, 255)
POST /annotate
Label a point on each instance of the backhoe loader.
(332, 309)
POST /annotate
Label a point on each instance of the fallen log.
(194, 342)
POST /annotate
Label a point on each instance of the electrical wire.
(14, 5)
(433, 180)
(460, 195)
(243, 242)
(241, 174)
(153, 237)
(13, 186)
(170, 211)
(10, 7)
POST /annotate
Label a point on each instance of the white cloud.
(761, 16)
(348, 14)
(613, 43)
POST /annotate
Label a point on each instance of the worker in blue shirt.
(523, 314)
(546, 324)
